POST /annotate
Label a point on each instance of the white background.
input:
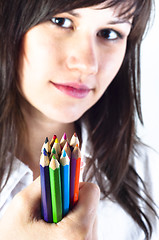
(150, 84)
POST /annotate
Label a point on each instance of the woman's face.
(68, 62)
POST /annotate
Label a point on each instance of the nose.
(82, 56)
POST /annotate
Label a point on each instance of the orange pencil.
(74, 175)
(77, 176)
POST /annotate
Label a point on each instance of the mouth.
(73, 89)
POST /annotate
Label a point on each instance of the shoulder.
(113, 221)
(19, 178)
(146, 164)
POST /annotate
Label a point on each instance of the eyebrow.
(71, 12)
(113, 22)
(120, 21)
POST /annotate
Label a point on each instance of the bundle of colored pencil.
(59, 170)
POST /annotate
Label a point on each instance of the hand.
(22, 219)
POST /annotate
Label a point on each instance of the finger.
(33, 190)
(86, 207)
(28, 200)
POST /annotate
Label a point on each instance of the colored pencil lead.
(53, 140)
(64, 153)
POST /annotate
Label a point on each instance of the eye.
(110, 34)
(62, 22)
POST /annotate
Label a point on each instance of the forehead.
(104, 11)
(125, 9)
(100, 13)
(122, 9)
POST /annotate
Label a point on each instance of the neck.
(39, 127)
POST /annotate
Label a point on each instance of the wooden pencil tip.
(66, 145)
(46, 140)
(54, 163)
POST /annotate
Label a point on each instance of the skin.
(48, 60)
(22, 220)
(64, 69)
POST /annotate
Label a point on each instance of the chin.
(67, 117)
(64, 113)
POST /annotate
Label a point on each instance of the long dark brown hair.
(111, 121)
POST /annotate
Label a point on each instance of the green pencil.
(55, 184)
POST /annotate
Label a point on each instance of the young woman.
(71, 66)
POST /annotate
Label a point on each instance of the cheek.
(111, 62)
(39, 51)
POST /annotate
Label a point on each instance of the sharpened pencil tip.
(64, 136)
(53, 151)
(44, 152)
(54, 137)
(64, 153)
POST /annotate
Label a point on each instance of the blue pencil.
(45, 187)
(65, 182)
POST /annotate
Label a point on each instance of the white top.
(113, 222)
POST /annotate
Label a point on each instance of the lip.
(73, 89)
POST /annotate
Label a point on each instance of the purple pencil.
(45, 187)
